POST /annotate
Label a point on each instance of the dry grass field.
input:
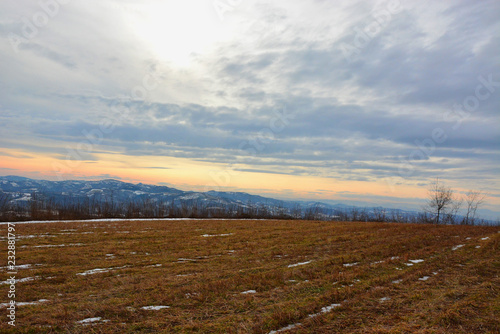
(216, 276)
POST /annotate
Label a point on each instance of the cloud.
(358, 118)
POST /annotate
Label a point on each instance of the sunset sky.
(349, 101)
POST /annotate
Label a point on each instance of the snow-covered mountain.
(21, 191)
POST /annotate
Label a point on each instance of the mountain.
(116, 198)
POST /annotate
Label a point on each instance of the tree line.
(444, 205)
(442, 208)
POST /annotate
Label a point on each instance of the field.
(259, 276)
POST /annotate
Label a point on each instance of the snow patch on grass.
(98, 271)
(184, 260)
(299, 264)
(351, 264)
(248, 292)
(25, 303)
(416, 261)
(457, 247)
(18, 267)
(91, 320)
(324, 310)
(154, 307)
(49, 246)
(292, 326)
(216, 235)
(20, 280)
(412, 262)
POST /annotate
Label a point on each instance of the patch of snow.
(34, 236)
(351, 264)
(425, 278)
(397, 281)
(216, 235)
(2, 305)
(94, 271)
(299, 264)
(385, 299)
(20, 280)
(154, 308)
(292, 326)
(91, 320)
(16, 268)
(110, 220)
(457, 247)
(416, 261)
(478, 246)
(324, 310)
(485, 238)
(183, 260)
(191, 196)
(248, 292)
(49, 246)
(98, 271)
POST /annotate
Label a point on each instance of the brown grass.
(204, 290)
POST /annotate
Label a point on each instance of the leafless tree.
(379, 214)
(473, 199)
(450, 216)
(440, 199)
(4, 203)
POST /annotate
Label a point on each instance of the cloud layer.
(403, 91)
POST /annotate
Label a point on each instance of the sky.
(348, 101)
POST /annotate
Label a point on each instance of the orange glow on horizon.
(188, 174)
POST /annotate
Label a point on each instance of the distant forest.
(45, 207)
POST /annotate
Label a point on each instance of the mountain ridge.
(20, 191)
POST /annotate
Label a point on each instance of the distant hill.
(120, 199)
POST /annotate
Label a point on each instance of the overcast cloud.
(361, 84)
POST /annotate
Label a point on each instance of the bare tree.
(473, 199)
(4, 203)
(440, 198)
(450, 216)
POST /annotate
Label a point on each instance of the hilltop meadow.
(253, 276)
